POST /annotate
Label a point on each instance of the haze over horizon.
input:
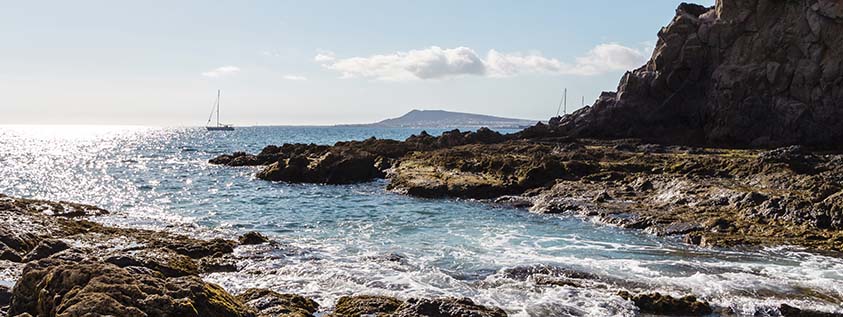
(314, 63)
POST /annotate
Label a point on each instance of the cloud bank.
(221, 71)
(438, 63)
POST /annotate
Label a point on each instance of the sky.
(160, 63)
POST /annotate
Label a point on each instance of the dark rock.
(45, 249)
(269, 303)
(62, 288)
(446, 307)
(790, 311)
(667, 305)
(252, 238)
(5, 296)
(200, 248)
(365, 305)
(726, 76)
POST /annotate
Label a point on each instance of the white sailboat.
(219, 126)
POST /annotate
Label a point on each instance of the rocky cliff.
(744, 73)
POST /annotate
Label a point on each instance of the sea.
(338, 240)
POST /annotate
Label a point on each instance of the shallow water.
(340, 240)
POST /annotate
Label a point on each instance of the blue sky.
(312, 62)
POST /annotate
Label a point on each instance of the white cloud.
(436, 63)
(295, 77)
(222, 71)
(606, 58)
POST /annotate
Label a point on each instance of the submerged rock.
(446, 307)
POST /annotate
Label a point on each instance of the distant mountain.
(447, 119)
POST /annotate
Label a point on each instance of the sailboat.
(219, 126)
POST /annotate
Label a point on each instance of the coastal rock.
(347, 162)
(665, 305)
(790, 311)
(745, 73)
(46, 248)
(365, 305)
(53, 287)
(252, 238)
(5, 297)
(272, 304)
(446, 307)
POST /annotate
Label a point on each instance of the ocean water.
(362, 239)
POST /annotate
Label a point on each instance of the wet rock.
(167, 262)
(200, 248)
(217, 265)
(522, 273)
(446, 307)
(63, 288)
(365, 305)
(45, 249)
(252, 238)
(269, 303)
(790, 311)
(665, 305)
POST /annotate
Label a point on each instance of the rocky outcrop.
(347, 162)
(53, 287)
(272, 304)
(665, 305)
(745, 73)
(784, 196)
(74, 267)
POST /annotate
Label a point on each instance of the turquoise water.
(340, 240)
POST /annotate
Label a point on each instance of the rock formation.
(745, 73)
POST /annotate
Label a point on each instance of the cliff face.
(758, 73)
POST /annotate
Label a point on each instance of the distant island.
(446, 119)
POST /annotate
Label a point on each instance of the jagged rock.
(365, 305)
(271, 304)
(252, 238)
(46, 248)
(446, 307)
(51, 287)
(743, 73)
(667, 305)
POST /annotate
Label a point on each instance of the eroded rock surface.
(714, 197)
(745, 73)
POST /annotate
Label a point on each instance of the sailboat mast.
(218, 107)
(565, 98)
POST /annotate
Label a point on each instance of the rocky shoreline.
(67, 265)
(709, 197)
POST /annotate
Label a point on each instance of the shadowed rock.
(745, 73)
(667, 305)
(365, 305)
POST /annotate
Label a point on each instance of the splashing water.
(361, 239)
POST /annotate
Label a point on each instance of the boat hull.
(222, 128)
